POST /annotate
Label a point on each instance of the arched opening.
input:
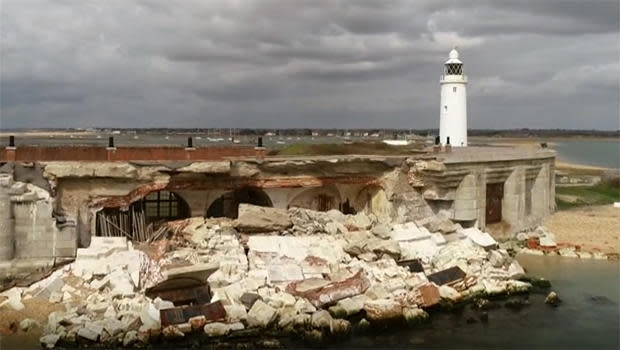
(319, 199)
(142, 217)
(373, 199)
(227, 205)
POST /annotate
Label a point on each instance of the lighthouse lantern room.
(453, 114)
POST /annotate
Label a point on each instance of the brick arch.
(373, 199)
(227, 204)
(320, 199)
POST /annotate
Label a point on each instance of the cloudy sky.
(306, 63)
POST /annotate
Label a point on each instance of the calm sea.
(598, 153)
(588, 318)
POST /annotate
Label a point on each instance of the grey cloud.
(305, 63)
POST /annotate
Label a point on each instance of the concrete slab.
(409, 232)
(482, 239)
(285, 273)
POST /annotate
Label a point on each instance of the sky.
(306, 63)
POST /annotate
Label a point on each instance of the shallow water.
(578, 323)
(598, 153)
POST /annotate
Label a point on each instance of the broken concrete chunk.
(216, 329)
(28, 324)
(253, 218)
(90, 331)
(248, 299)
(261, 315)
(321, 319)
(482, 239)
(50, 340)
(383, 310)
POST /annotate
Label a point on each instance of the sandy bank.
(594, 228)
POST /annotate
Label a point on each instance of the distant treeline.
(349, 132)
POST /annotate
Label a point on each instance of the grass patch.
(327, 149)
(605, 192)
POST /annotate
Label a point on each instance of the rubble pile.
(542, 242)
(318, 275)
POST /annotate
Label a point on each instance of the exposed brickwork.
(88, 153)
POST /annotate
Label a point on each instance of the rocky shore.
(318, 276)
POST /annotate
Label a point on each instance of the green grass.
(326, 149)
(606, 192)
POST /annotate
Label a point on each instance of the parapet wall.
(91, 153)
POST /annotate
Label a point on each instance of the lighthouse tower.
(453, 115)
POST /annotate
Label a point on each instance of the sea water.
(588, 317)
(603, 153)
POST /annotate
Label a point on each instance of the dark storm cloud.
(305, 63)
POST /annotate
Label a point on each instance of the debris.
(261, 315)
(253, 218)
(383, 310)
(482, 239)
(414, 265)
(198, 272)
(447, 276)
(429, 295)
(213, 312)
(49, 340)
(27, 324)
(330, 293)
(183, 295)
(321, 319)
(248, 299)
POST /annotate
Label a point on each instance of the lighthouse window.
(454, 89)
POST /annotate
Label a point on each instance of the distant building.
(453, 114)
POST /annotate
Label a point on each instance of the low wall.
(91, 153)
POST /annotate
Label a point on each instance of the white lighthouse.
(453, 115)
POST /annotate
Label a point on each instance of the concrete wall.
(468, 198)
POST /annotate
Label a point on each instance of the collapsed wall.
(51, 208)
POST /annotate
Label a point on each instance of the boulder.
(447, 292)
(50, 340)
(253, 218)
(353, 305)
(547, 241)
(495, 258)
(90, 331)
(321, 319)
(438, 224)
(340, 328)
(382, 230)
(216, 329)
(360, 221)
(553, 299)
(130, 338)
(515, 271)
(28, 324)
(384, 246)
(261, 315)
(235, 312)
(383, 310)
(415, 316)
(172, 332)
(198, 322)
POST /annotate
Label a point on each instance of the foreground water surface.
(588, 318)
